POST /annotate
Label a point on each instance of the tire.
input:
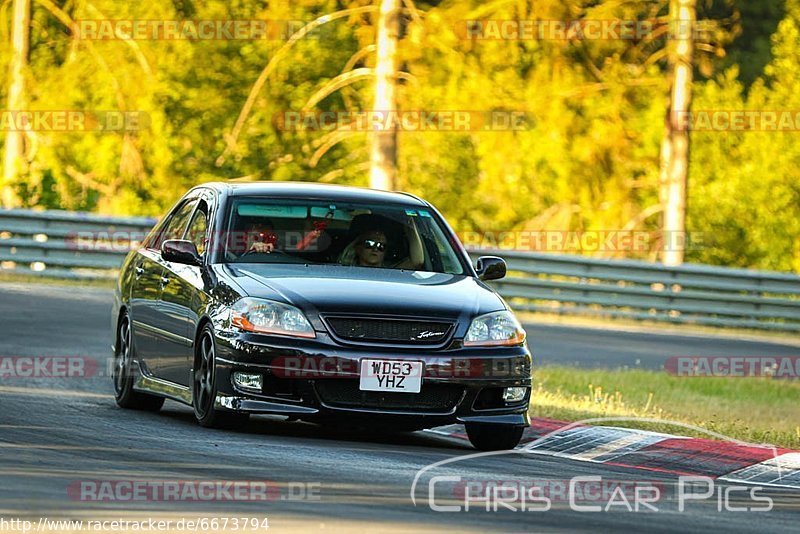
(204, 387)
(122, 374)
(486, 437)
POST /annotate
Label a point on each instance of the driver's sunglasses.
(371, 244)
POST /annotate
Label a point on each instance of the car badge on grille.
(427, 333)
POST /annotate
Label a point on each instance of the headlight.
(498, 328)
(269, 317)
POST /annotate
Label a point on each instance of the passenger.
(366, 250)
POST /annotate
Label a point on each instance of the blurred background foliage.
(588, 161)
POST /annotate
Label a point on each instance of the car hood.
(338, 289)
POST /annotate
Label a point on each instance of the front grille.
(401, 331)
(344, 393)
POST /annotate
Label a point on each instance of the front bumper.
(317, 379)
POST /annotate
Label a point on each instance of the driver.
(259, 237)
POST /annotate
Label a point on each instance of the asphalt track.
(57, 432)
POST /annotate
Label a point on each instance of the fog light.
(514, 394)
(251, 381)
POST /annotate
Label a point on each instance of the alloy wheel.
(204, 377)
(122, 363)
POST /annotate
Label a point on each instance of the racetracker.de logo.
(442, 120)
(594, 491)
(332, 367)
(737, 120)
(572, 242)
(237, 242)
(191, 491)
(583, 29)
(72, 120)
(187, 30)
(47, 367)
(734, 366)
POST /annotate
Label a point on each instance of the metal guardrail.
(67, 244)
(79, 245)
(699, 294)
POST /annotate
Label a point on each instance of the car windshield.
(352, 234)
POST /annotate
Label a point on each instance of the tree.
(675, 146)
(15, 139)
(383, 160)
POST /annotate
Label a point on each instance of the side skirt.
(163, 388)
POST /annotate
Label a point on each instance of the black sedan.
(321, 303)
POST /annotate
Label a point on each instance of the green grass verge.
(756, 410)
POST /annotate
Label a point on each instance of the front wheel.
(488, 437)
(204, 387)
(124, 356)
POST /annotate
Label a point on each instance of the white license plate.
(391, 375)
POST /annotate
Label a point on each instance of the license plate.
(391, 375)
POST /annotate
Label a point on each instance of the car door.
(148, 324)
(180, 300)
(145, 292)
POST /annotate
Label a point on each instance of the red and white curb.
(624, 447)
(783, 471)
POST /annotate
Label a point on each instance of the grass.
(755, 410)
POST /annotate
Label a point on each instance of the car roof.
(312, 190)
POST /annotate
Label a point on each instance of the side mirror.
(180, 251)
(491, 268)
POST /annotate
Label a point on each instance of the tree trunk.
(383, 159)
(14, 157)
(675, 146)
(15, 140)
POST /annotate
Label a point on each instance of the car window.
(177, 224)
(198, 226)
(350, 234)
